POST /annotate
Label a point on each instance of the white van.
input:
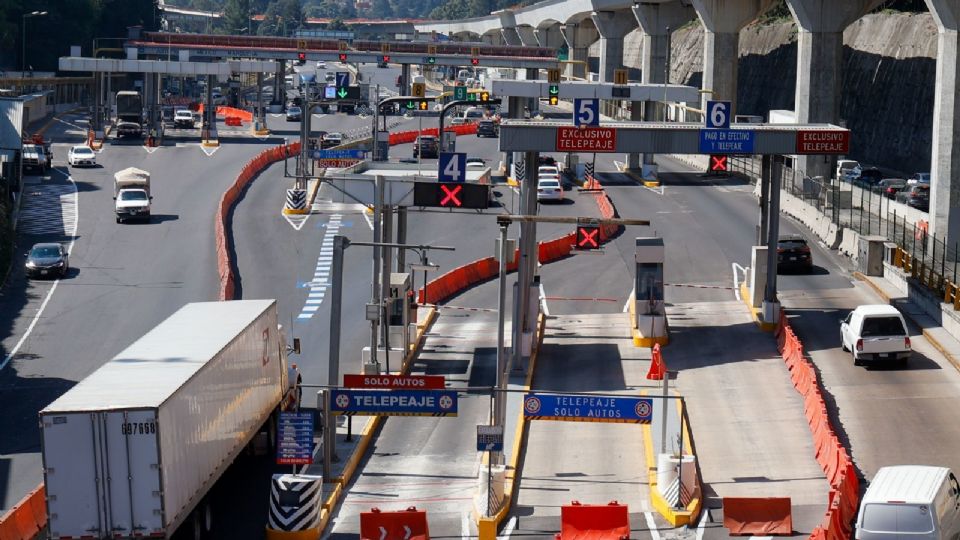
(910, 501)
(844, 168)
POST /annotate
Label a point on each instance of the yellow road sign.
(619, 76)
(474, 51)
(384, 47)
(343, 46)
(431, 50)
(419, 90)
(302, 44)
(553, 76)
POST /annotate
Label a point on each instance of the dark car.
(487, 128)
(916, 196)
(869, 177)
(48, 259)
(426, 146)
(889, 187)
(793, 253)
(294, 114)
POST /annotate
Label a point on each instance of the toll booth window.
(396, 312)
(650, 281)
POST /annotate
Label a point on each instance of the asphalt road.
(124, 279)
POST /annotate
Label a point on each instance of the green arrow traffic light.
(342, 92)
(411, 105)
(554, 90)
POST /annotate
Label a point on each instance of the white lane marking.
(366, 216)
(761, 538)
(703, 522)
(209, 151)
(543, 301)
(72, 233)
(652, 525)
(736, 279)
(321, 274)
(508, 530)
(626, 305)
(464, 526)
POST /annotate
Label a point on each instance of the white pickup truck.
(131, 191)
(875, 332)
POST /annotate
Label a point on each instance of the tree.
(292, 14)
(381, 9)
(236, 17)
(337, 24)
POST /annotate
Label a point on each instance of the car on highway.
(331, 139)
(321, 65)
(476, 164)
(381, 64)
(910, 501)
(294, 113)
(426, 146)
(793, 253)
(218, 98)
(919, 178)
(916, 196)
(549, 189)
(868, 177)
(81, 155)
(330, 76)
(35, 157)
(183, 118)
(875, 332)
(844, 166)
(889, 187)
(47, 260)
(488, 128)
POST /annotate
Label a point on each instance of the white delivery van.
(910, 501)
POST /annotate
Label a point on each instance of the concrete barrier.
(848, 244)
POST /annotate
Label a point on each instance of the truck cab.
(875, 333)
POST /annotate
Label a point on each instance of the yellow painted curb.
(754, 312)
(368, 432)
(512, 182)
(677, 518)
(638, 340)
(210, 143)
(651, 183)
(295, 211)
(487, 527)
(261, 132)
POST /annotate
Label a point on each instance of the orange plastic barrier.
(398, 525)
(829, 452)
(26, 518)
(762, 516)
(594, 522)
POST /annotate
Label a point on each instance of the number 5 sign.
(586, 112)
(718, 114)
(453, 167)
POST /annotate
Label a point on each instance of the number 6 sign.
(718, 114)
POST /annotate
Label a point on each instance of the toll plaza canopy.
(673, 138)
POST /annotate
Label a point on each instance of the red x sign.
(588, 237)
(718, 163)
(451, 195)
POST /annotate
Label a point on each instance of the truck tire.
(856, 362)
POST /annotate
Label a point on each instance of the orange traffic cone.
(658, 369)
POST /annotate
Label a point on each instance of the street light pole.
(23, 39)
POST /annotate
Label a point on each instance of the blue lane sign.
(295, 438)
(726, 141)
(329, 92)
(394, 403)
(489, 438)
(452, 167)
(583, 408)
(350, 153)
(586, 112)
(343, 79)
(718, 114)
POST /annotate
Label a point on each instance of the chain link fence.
(869, 211)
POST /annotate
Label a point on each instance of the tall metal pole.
(770, 293)
(385, 261)
(528, 256)
(401, 237)
(500, 413)
(333, 369)
(375, 284)
(764, 198)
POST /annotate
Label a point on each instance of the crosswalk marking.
(320, 283)
(48, 209)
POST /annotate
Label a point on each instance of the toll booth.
(651, 316)
(399, 319)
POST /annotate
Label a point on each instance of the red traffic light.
(588, 236)
(475, 61)
(718, 163)
(386, 58)
(343, 57)
(450, 195)
(302, 56)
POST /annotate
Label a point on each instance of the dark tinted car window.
(792, 243)
(882, 326)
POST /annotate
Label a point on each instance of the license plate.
(885, 355)
(43, 272)
(793, 258)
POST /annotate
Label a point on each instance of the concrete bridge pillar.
(722, 21)
(819, 57)
(527, 36)
(613, 27)
(493, 38)
(657, 20)
(945, 164)
(579, 37)
(549, 36)
(511, 36)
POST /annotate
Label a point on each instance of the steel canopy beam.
(655, 137)
(583, 89)
(172, 67)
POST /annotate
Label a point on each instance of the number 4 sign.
(718, 114)
(453, 167)
(586, 112)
